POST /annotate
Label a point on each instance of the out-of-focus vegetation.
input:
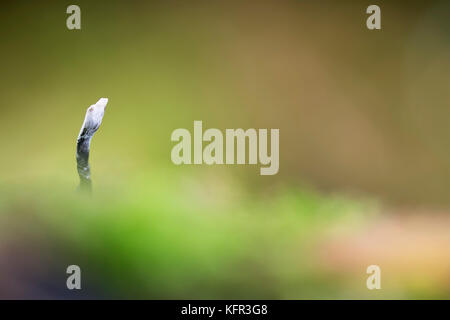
(364, 151)
(177, 239)
(197, 238)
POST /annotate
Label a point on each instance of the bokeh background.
(364, 150)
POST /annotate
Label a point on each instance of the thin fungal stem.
(92, 121)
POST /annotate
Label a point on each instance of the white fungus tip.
(102, 102)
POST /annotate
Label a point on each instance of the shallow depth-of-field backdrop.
(364, 149)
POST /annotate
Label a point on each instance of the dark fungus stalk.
(92, 121)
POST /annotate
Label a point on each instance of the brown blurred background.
(357, 109)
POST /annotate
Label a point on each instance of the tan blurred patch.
(412, 248)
